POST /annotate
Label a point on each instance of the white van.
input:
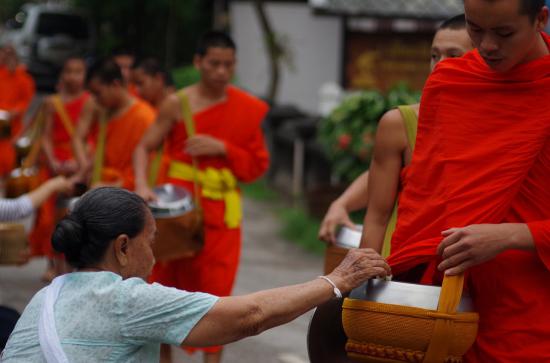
(44, 35)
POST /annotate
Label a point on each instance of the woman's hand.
(359, 266)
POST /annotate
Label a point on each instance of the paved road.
(267, 261)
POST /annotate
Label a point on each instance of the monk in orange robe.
(153, 85)
(62, 112)
(477, 197)
(121, 125)
(228, 147)
(125, 59)
(16, 93)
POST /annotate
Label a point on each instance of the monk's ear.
(542, 19)
(197, 61)
(121, 249)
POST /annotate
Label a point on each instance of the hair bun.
(68, 238)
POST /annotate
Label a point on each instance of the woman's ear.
(121, 249)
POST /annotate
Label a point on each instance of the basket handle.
(451, 293)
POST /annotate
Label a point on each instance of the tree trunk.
(274, 50)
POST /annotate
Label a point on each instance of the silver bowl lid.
(406, 294)
(172, 201)
(349, 238)
(4, 115)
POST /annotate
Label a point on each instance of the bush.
(348, 133)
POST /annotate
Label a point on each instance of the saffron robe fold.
(237, 122)
(483, 156)
(124, 132)
(61, 139)
(16, 92)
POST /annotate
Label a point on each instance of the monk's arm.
(47, 144)
(354, 198)
(384, 173)
(249, 160)
(236, 317)
(153, 138)
(82, 130)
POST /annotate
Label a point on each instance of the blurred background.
(328, 68)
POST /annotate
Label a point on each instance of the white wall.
(314, 41)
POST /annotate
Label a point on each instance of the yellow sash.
(411, 124)
(100, 149)
(63, 115)
(216, 184)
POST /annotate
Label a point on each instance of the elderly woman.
(106, 312)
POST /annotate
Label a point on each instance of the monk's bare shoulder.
(170, 108)
(391, 131)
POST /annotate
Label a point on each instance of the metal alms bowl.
(172, 201)
(406, 294)
(349, 238)
(5, 126)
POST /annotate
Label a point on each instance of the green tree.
(166, 29)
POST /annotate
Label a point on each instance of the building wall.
(315, 46)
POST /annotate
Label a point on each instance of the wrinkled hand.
(336, 215)
(359, 266)
(146, 193)
(204, 145)
(469, 246)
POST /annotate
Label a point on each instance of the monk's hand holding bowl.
(146, 193)
(359, 266)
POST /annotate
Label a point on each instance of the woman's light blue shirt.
(102, 318)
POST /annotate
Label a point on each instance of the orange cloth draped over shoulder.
(483, 156)
(40, 237)
(237, 122)
(16, 92)
(123, 134)
(61, 138)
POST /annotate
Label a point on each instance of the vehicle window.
(53, 23)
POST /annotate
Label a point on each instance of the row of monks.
(65, 126)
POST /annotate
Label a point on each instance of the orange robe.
(40, 237)
(61, 139)
(483, 156)
(124, 133)
(16, 92)
(237, 122)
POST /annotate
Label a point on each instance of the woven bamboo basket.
(387, 333)
(13, 242)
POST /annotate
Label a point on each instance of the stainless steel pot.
(349, 238)
(172, 201)
(5, 125)
(401, 293)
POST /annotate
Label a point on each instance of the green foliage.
(401, 94)
(297, 226)
(259, 190)
(185, 76)
(302, 229)
(166, 29)
(348, 133)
